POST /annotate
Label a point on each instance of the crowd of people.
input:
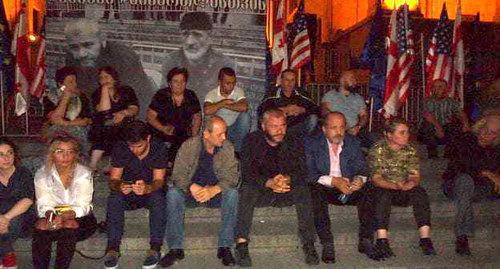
(191, 154)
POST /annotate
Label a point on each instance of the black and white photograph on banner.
(143, 40)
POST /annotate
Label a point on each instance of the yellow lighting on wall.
(391, 4)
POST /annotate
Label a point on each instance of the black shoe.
(311, 256)
(328, 253)
(242, 255)
(366, 247)
(384, 248)
(426, 246)
(226, 256)
(462, 246)
(171, 257)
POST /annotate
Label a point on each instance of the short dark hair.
(177, 71)
(196, 21)
(135, 131)
(112, 72)
(64, 72)
(228, 71)
(391, 125)
(288, 70)
(15, 149)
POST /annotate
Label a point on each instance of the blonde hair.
(58, 139)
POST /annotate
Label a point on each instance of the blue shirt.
(350, 105)
(205, 174)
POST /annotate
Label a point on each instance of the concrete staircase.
(275, 242)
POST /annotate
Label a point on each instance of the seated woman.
(395, 174)
(175, 113)
(16, 197)
(69, 109)
(63, 190)
(114, 104)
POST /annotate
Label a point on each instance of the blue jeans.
(177, 201)
(115, 215)
(238, 130)
(6, 240)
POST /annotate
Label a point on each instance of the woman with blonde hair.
(63, 191)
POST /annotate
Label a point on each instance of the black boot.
(311, 256)
(226, 256)
(384, 248)
(242, 255)
(171, 257)
(462, 246)
(426, 246)
(328, 253)
(366, 246)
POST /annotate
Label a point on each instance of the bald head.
(488, 131)
(334, 127)
(347, 80)
(214, 133)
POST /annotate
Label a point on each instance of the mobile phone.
(63, 87)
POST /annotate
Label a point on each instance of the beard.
(337, 139)
(275, 138)
(193, 54)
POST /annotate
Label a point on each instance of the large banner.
(144, 39)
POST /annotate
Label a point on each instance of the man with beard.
(196, 54)
(273, 174)
(337, 173)
(88, 50)
(351, 104)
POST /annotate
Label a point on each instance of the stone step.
(292, 258)
(283, 233)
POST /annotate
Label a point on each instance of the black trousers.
(252, 196)
(323, 196)
(416, 197)
(66, 241)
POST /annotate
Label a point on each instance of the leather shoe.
(226, 256)
(328, 253)
(311, 256)
(462, 246)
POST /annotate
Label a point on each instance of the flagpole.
(422, 57)
(27, 118)
(370, 122)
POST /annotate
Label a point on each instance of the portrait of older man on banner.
(197, 54)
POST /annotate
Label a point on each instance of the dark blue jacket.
(352, 159)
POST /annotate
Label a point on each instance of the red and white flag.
(21, 50)
(279, 50)
(457, 74)
(438, 64)
(400, 58)
(301, 49)
(37, 86)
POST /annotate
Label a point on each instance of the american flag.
(438, 64)
(37, 86)
(457, 76)
(280, 49)
(400, 58)
(301, 48)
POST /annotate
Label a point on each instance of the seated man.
(205, 173)
(136, 181)
(351, 104)
(473, 174)
(337, 172)
(443, 119)
(273, 174)
(229, 102)
(301, 112)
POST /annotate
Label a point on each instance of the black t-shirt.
(127, 98)
(178, 116)
(205, 174)
(279, 100)
(136, 169)
(85, 113)
(20, 186)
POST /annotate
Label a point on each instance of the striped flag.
(21, 50)
(438, 64)
(37, 86)
(279, 50)
(301, 48)
(400, 58)
(457, 50)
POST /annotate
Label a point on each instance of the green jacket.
(226, 166)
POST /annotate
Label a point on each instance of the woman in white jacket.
(63, 191)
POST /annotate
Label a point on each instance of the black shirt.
(126, 98)
(205, 174)
(279, 100)
(178, 116)
(20, 186)
(136, 169)
(85, 113)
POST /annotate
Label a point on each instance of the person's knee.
(116, 200)
(175, 196)
(230, 196)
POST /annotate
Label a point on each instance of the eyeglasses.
(7, 154)
(63, 151)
